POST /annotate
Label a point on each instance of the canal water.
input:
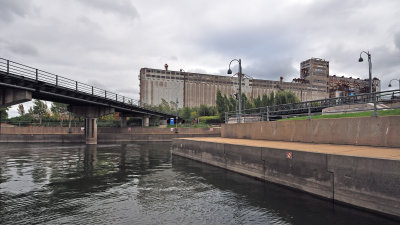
(145, 184)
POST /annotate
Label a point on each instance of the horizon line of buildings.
(194, 89)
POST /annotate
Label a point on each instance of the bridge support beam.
(124, 122)
(163, 122)
(91, 131)
(11, 96)
(145, 121)
(91, 113)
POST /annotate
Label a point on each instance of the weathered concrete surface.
(363, 176)
(43, 138)
(124, 130)
(91, 131)
(11, 96)
(370, 131)
(40, 130)
(91, 111)
(123, 137)
(60, 134)
(155, 130)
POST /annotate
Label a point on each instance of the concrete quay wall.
(133, 130)
(102, 137)
(370, 131)
(369, 183)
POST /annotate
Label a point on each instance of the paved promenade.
(346, 150)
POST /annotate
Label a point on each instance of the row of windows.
(319, 70)
(320, 81)
(190, 79)
(164, 77)
(164, 72)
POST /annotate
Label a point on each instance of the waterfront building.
(194, 89)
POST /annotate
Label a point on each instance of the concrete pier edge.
(343, 179)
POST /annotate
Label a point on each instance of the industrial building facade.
(194, 89)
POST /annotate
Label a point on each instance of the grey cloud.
(17, 48)
(397, 41)
(9, 9)
(90, 40)
(265, 47)
(23, 49)
(119, 7)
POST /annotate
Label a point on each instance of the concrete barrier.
(43, 138)
(370, 131)
(127, 130)
(155, 130)
(40, 130)
(60, 134)
(369, 183)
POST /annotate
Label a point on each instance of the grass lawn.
(391, 112)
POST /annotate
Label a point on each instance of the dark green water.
(144, 184)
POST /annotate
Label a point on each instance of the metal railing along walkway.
(312, 107)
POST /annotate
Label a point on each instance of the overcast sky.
(105, 43)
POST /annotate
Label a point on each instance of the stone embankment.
(61, 135)
(327, 163)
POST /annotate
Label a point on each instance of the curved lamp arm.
(229, 70)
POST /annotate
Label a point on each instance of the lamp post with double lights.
(240, 85)
(369, 69)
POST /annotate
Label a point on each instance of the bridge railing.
(314, 107)
(11, 68)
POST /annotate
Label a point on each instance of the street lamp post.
(369, 69)
(176, 118)
(240, 84)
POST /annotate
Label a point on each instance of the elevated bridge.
(20, 83)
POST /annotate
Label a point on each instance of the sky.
(105, 43)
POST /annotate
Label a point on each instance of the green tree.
(59, 111)
(59, 108)
(39, 110)
(165, 107)
(271, 98)
(246, 104)
(222, 105)
(186, 114)
(232, 103)
(21, 110)
(257, 102)
(264, 100)
(4, 113)
(285, 97)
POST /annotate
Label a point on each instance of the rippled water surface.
(144, 184)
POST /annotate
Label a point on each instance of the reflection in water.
(143, 184)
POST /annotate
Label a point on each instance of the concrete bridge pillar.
(145, 121)
(91, 131)
(91, 113)
(124, 122)
(11, 96)
(163, 122)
